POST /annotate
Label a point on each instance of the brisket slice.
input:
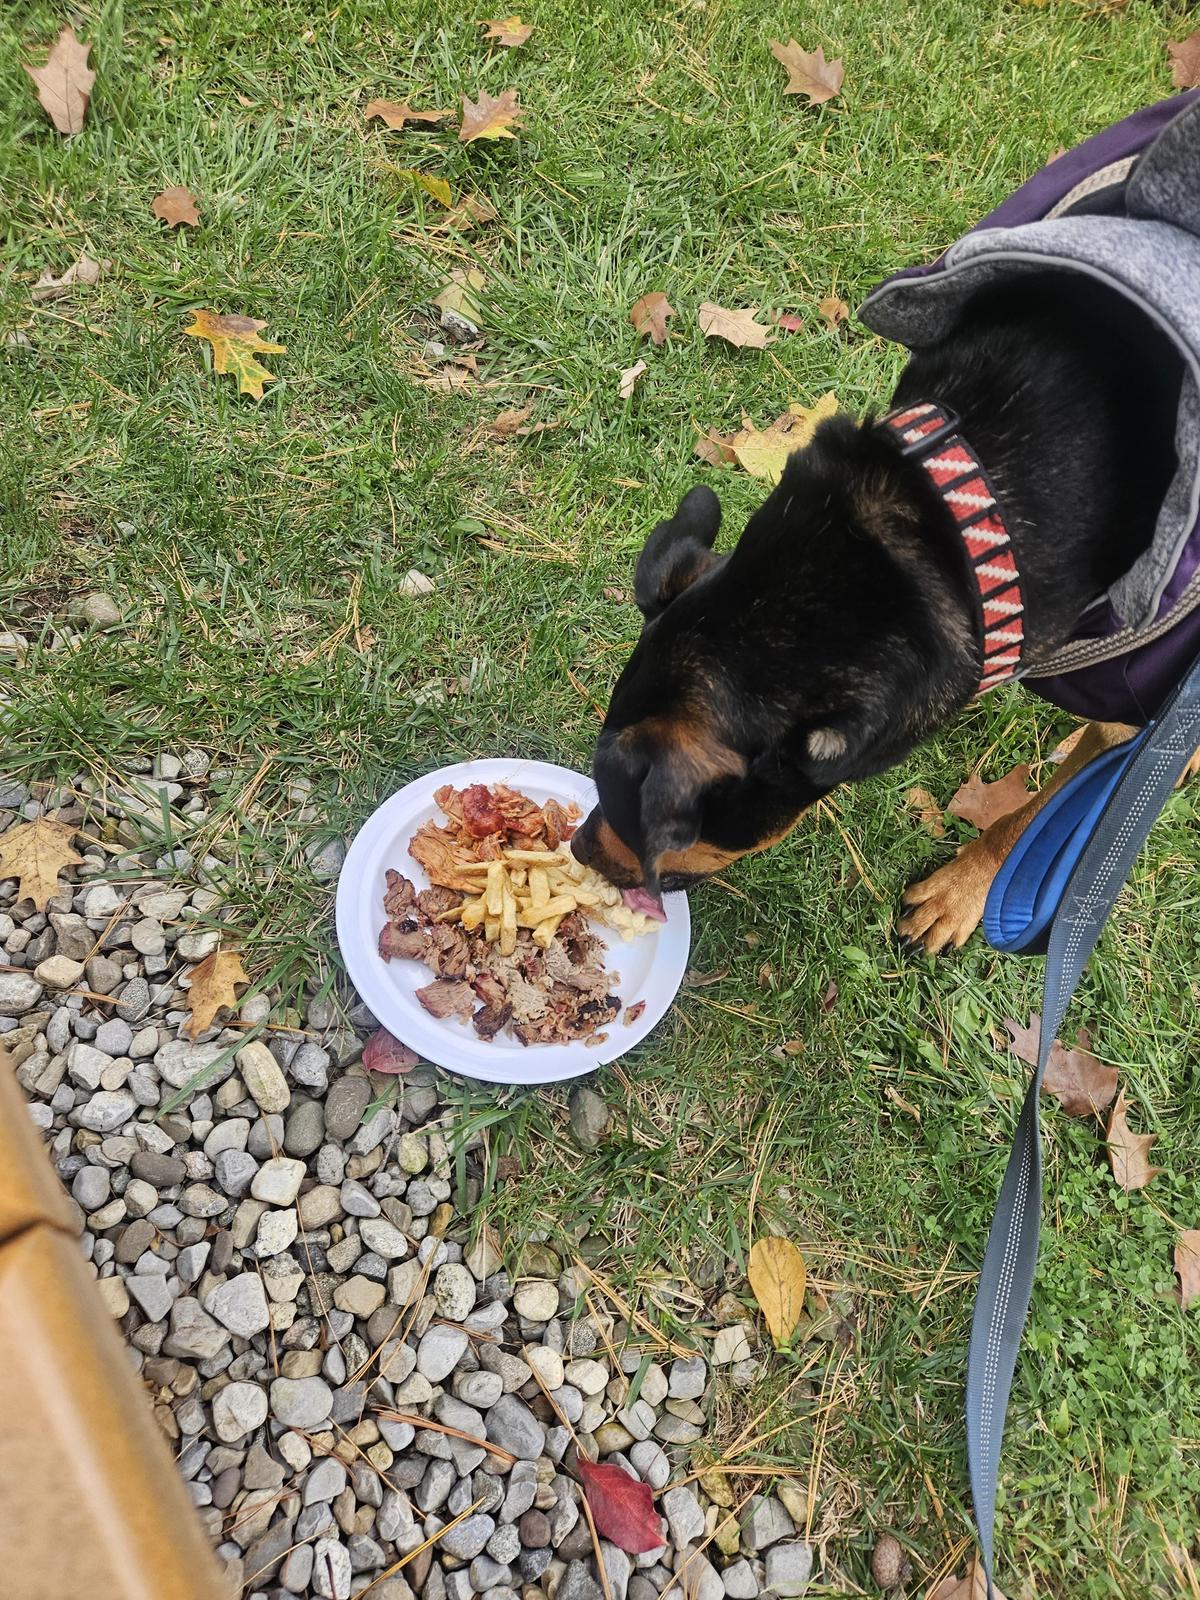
(448, 997)
(433, 902)
(402, 943)
(489, 1020)
(400, 894)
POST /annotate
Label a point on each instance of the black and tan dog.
(845, 626)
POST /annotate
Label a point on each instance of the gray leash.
(1006, 1278)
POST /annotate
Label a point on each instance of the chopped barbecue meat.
(433, 902)
(448, 998)
(633, 1013)
(528, 1003)
(402, 943)
(489, 990)
(449, 952)
(480, 812)
(489, 1020)
(400, 895)
(559, 823)
(438, 850)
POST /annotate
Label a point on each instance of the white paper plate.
(651, 967)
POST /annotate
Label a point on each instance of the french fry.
(531, 858)
(543, 934)
(556, 908)
(491, 929)
(473, 913)
(453, 915)
(508, 922)
(539, 885)
(494, 893)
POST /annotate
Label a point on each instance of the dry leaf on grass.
(509, 423)
(833, 311)
(1185, 61)
(507, 31)
(383, 1053)
(893, 1094)
(629, 379)
(235, 343)
(716, 448)
(763, 453)
(649, 316)
(470, 212)
(64, 84)
(460, 294)
(737, 328)
(808, 71)
(1082, 1085)
(437, 187)
(972, 1587)
(777, 1276)
(85, 271)
(622, 1506)
(35, 854)
(176, 207)
(490, 117)
(395, 115)
(214, 987)
(928, 811)
(1187, 1265)
(981, 803)
(1127, 1151)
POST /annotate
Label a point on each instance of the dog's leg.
(948, 905)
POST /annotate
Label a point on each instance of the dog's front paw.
(947, 907)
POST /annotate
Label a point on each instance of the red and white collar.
(927, 434)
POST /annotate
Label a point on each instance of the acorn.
(889, 1565)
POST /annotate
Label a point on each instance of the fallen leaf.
(395, 115)
(764, 452)
(777, 1276)
(736, 327)
(35, 853)
(85, 271)
(437, 187)
(1187, 1265)
(64, 84)
(459, 295)
(972, 1587)
(1082, 1085)
(649, 316)
(448, 378)
(470, 212)
(176, 207)
(508, 31)
(893, 1094)
(382, 1053)
(235, 343)
(622, 1506)
(833, 311)
(981, 803)
(414, 584)
(509, 423)
(629, 379)
(490, 116)
(716, 448)
(1185, 61)
(808, 71)
(789, 321)
(829, 998)
(215, 983)
(927, 809)
(1127, 1151)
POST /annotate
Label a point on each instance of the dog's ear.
(677, 552)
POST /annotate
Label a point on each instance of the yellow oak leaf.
(508, 31)
(777, 1276)
(215, 983)
(35, 853)
(490, 116)
(235, 343)
(763, 453)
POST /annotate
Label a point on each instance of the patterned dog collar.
(928, 434)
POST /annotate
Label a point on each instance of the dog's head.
(765, 677)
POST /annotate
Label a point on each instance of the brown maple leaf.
(396, 115)
(927, 809)
(507, 31)
(1187, 1265)
(649, 316)
(629, 379)
(176, 207)
(215, 983)
(981, 803)
(84, 271)
(735, 327)
(716, 448)
(235, 343)
(808, 71)
(972, 1587)
(35, 854)
(64, 84)
(509, 423)
(1185, 61)
(833, 311)
(490, 116)
(1082, 1085)
(1127, 1151)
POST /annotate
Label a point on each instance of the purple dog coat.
(1123, 207)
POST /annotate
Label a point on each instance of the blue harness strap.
(1054, 894)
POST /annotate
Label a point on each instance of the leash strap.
(1122, 817)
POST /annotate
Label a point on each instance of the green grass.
(241, 539)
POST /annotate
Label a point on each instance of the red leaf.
(622, 1507)
(382, 1053)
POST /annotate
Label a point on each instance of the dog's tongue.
(645, 902)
